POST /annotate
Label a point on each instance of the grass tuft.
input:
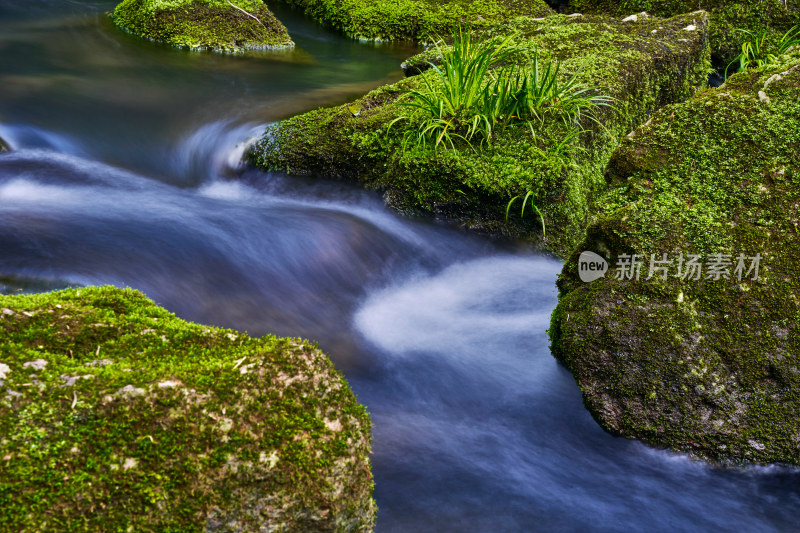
(478, 91)
(759, 51)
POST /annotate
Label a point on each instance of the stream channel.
(125, 171)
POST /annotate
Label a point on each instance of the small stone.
(756, 445)
(129, 391)
(129, 463)
(333, 425)
(4, 370)
(690, 27)
(36, 364)
(70, 380)
(225, 425)
(763, 97)
(169, 384)
(7, 311)
(632, 18)
(272, 459)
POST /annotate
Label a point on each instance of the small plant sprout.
(525, 201)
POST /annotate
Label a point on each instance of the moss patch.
(707, 366)
(644, 65)
(414, 19)
(204, 24)
(726, 17)
(117, 416)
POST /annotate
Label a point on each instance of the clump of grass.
(478, 90)
(759, 51)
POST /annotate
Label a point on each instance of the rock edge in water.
(233, 26)
(117, 416)
(414, 20)
(708, 366)
(643, 65)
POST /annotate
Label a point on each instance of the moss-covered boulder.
(703, 357)
(4, 146)
(219, 25)
(117, 416)
(643, 65)
(414, 19)
(727, 16)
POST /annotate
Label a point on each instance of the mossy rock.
(117, 416)
(4, 146)
(219, 25)
(706, 366)
(643, 65)
(726, 17)
(411, 20)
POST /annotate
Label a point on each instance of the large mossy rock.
(414, 19)
(219, 25)
(726, 17)
(643, 65)
(117, 416)
(707, 366)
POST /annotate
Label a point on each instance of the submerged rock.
(3, 146)
(179, 427)
(728, 17)
(704, 356)
(220, 25)
(643, 65)
(414, 19)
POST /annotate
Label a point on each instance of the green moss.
(726, 17)
(204, 24)
(643, 65)
(414, 19)
(705, 366)
(117, 416)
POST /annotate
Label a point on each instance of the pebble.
(36, 364)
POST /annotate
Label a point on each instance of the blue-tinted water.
(126, 172)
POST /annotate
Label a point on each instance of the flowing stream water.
(125, 171)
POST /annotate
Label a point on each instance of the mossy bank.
(117, 416)
(412, 20)
(219, 25)
(703, 359)
(643, 65)
(727, 17)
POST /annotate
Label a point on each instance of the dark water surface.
(124, 151)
